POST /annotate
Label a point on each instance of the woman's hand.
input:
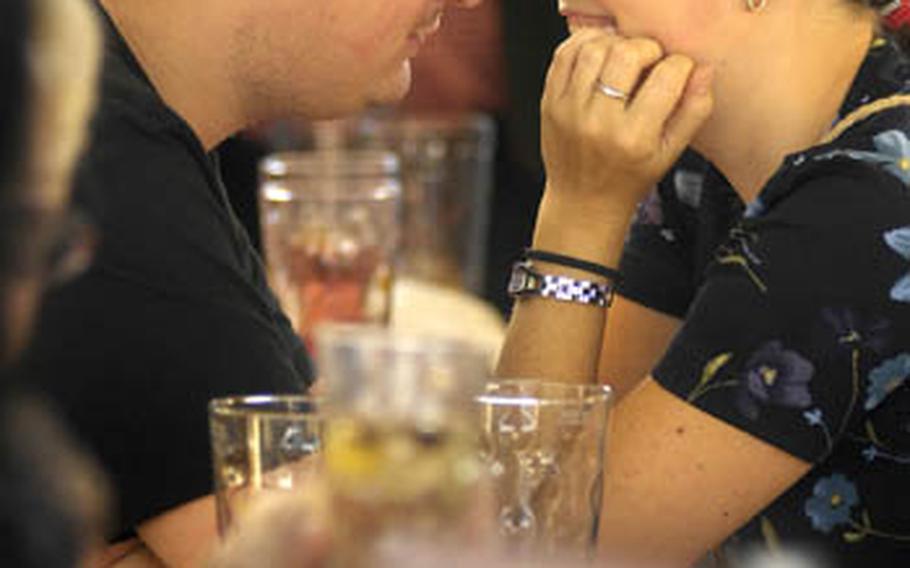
(603, 152)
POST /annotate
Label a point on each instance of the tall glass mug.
(543, 444)
(331, 224)
(401, 437)
(262, 445)
(447, 172)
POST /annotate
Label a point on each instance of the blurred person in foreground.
(175, 310)
(52, 499)
(758, 344)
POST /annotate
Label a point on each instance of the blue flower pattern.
(853, 330)
(689, 186)
(777, 375)
(774, 376)
(885, 379)
(816, 418)
(893, 154)
(898, 240)
(894, 148)
(650, 211)
(754, 209)
(832, 502)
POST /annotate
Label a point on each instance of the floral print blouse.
(797, 321)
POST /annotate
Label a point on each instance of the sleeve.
(798, 307)
(657, 262)
(132, 370)
(132, 351)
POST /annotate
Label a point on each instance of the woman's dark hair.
(902, 35)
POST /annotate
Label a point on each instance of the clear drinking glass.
(331, 225)
(401, 437)
(447, 172)
(260, 445)
(543, 444)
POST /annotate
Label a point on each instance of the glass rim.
(321, 162)
(263, 404)
(574, 393)
(383, 338)
(287, 191)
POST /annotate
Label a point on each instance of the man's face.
(327, 58)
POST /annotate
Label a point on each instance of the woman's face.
(701, 29)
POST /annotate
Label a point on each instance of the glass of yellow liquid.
(261, 446)
(401, 438)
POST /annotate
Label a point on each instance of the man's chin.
(388, 90)
(393, 87)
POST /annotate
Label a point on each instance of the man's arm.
(129, 554)
(183, 537)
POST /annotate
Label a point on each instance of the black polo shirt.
(174, 312)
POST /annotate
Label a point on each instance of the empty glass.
(543, 444)
(331, 224)
(401, 435)
(262, 444)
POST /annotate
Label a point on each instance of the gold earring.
(756, 5)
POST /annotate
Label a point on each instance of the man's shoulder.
(137, 142)
(124, 93)
(131, 116)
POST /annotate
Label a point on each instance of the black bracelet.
(544, 256)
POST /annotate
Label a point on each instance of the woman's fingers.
(592, 56)
(659, 96)
(559, 75)
(628, 136)
(695, 108)
(672, 105)
(625, 65)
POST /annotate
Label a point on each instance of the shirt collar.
(884, 72)
(117, 48)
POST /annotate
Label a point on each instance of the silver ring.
(611, 92)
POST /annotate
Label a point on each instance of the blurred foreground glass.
(262, 444)
(331, 223)
(401, 437)
(544, 446)
(447, 168)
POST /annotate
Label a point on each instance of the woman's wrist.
(592, 231)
